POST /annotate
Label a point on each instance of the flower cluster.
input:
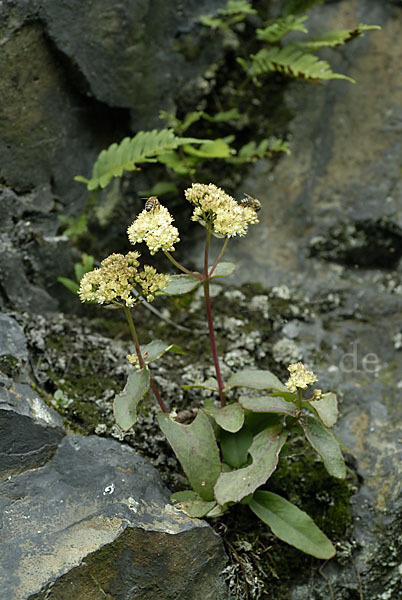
(300, 377)
(154, 227)
(133, 360)
(116, 278)
(215, 207)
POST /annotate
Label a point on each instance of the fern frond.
(280, 27)
(296, 7)
(337, 37)
(234, 12)
(290, 61)
(235, 7)
(252, 151)
(145, 146)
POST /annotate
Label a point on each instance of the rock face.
(331, 229)
(96, 522)
(75, 78)
(30, 431)
(87, 517)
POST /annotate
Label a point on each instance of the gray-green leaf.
(125, 404)
(291, 524)
(327, 408)
(268, 404)
(158, 348)
(324, 442)
(256, 379)
(223, 269)
(235, 446)
(265, 449)
(195, 447)
(230, 417)
(180, 284)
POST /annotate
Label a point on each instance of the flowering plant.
(232, 447)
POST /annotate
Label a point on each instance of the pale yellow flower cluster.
(116, 278)
(154, 227)
(215, 207)
(300, 377)
(133, 360)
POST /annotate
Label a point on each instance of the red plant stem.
(141, 359)
(210, 322)
(181, 267)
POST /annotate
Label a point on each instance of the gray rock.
(96, 522)
(30, 431)
(341, 188)
(134, 54)
(13, 343)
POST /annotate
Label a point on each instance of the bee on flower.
(214, 207)
(154, 227)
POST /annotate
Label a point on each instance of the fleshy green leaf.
(223, 269)
(69, 284)
(265, 449)
(230, 417)
(195, 447)
(235, 446)
(125, 404)
(268, 404)
(324, 442)
(192, 504)
(326, 408)
(291, 525)
(180, 284)
(158, 348)
(256, 379)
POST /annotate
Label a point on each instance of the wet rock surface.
(330, 231)
(96, 522)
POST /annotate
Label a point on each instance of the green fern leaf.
(336, 38)
(252, 151)
(290, 61)
(279, 28)
(234, 12)
(296, 7)
(145, 146)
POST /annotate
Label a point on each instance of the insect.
(250, 202)
(151, 203)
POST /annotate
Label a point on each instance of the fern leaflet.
(252, 151)
(296, 7)
(290, 61)
(145, 146)
(279, 28)
(234, 12)
(336, 38)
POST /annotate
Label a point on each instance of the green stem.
(219, 257)
(299, 401)
(210, 322)
(181, 267)
(141, 358)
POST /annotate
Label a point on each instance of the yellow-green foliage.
(336, 38)
(280, 27)
(291, 61)
(145, 146)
